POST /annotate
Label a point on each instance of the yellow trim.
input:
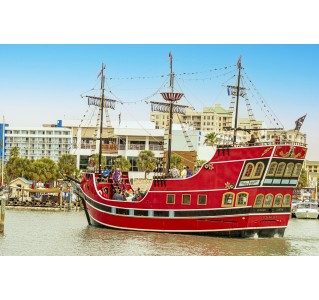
(287, 169)
(190, 198)
(205, 200)
(251, 172)
(167, 198)
(294, 171)
(256, 168)
(223, 199)
(274, 163)
(283, 201)
(237, 196)
(279, 205)
(279, 174)
(272, 199)
(262, 201)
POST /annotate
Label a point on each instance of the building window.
(268, 200)
(259, 170)
(186, 199)
(280, 169)
(241, 199)
(278, 200)
(170, 199)
(297, 170)
(286, 202)
(289, 169)
(272, 169)
(228, 199)
(202, 200)
(259, 200)
(248, 171)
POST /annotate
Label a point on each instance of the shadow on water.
(118, 242)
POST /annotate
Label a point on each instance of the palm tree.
(146, 161)
(211, 139)
(67, 164)
(122, 163)
(176, 160)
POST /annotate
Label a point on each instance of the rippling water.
(66, 233)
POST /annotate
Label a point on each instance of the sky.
(52, 51)
(43, 83)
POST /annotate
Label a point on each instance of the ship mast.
(237, 100)
(101, 121)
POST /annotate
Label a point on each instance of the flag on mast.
(239, 62)
(103, 68)
(299, 122)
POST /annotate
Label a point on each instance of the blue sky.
(43, 83)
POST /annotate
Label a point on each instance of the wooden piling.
(3, 206)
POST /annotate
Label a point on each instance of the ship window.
(280, 169)
(286, 202)
(186, 199)
(242, 199)
(272, 169)
(170, 199)
(268, 200)
(259, 200)
(278, 200)
(228, 199)
(248, 171)
(297, 170)
(202, 200)
(259, 170)
(289, 169)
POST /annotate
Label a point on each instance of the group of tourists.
(276, 140)
(184, 173)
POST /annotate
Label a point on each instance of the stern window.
(280, 170)
(297, 170)
(259, 200)
(286, 202)
(278, 200)
(289, 170)
(259, 170)
(268, 200)
(242, 199)
(272, 169)
(248, 171)
(228, 199)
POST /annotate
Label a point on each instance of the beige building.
(210, 119)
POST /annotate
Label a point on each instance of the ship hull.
(238, 193)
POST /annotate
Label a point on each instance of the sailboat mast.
(237, 100)
(169, 148)
(101, 121)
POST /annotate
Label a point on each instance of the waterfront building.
(210, 119)
(38, 142)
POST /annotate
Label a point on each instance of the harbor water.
(66, 233)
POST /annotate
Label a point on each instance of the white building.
(38, 142)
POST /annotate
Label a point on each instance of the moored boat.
(307, 210)
(243, 190)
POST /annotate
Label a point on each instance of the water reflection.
(67, 233)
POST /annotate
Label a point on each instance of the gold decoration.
(267, 150)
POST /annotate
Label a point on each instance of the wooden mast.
(169, 147)
(237, 100)
(101, 121)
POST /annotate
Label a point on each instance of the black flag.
(299, 122)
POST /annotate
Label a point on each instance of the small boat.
(294, 204)
(244, 190)
(307, 210)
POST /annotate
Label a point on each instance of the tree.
(211, 139)
(303, 180)
(67, 165)
(122, 163)
(18, 167)
(176, 160)
(44, 170)
(94, 161)
(146, 161)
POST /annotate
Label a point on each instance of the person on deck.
(189, 172)
(106, 174)
(184, 173)
(252, 140)
(175, 172)
(117, 176)
(117, 195)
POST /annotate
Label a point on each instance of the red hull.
(242, 190)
